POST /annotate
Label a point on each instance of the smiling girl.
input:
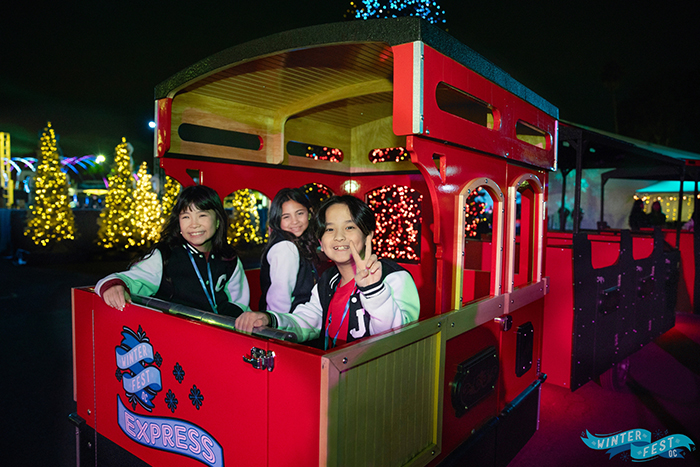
(288, 263)
(360, 295)
(192, 264)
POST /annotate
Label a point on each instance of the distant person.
(289, 261)
(656, 216)
(359, 296)
(193, 264)
(638, 218)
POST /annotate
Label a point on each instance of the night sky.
(91, 69)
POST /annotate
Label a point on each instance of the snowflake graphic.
(196, 397)
(118, 374)
(171, 401)
(158, 359)
(178, 372)
(624, 456)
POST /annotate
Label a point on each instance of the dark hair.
(306, 243)
(203, 198)
(362, 215)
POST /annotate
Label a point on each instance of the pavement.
(662, 394)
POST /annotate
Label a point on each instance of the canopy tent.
(582, 147)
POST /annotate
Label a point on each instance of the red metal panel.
(164, 115)
(462, 166)
(559, 311)
(226, 178)
(210, 363)
(509, 109)
(512, 385)
(83, 391)
(456, 430)
(403, 89)
(294, 405)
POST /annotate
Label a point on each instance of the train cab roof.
(359, 44)
(337, 92)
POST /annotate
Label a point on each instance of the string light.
(477, 213)
(425, 9)
(389, 155)
(118, 226)
(50, 218)
(398, 213)
(146, 209)
(170, 193)
(317, 193)
(244, 227)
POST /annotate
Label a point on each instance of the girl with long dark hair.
(193, 264)
(289, 260)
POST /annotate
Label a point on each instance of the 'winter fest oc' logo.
(141, 380)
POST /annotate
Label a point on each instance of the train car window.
(478, 238)
(389, 155)
(313, 151)
(317, 194)
(247, 231)
(461, 104)
(399, 215)
(530, 134)
(524, 226)
(219, 137)
(525, 207)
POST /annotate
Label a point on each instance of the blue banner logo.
(170, 434)
(639, 444)
(139, 377)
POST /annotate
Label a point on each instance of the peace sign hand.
(368, 271)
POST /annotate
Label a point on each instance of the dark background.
(90, 67)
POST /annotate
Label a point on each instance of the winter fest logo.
(138, 370)
(637, 444)
(140, 382)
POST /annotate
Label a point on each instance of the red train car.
(454, 157)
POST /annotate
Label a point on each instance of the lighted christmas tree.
(146, 209)
(426, 9)
(244, 227)
(167, 202)
(118, 224)
(50, 218)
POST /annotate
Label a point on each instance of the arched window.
(480, 222)
(525, 207)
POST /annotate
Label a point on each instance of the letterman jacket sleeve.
(143, 278)
(284, 267)
(237, 290)
(305, 322)
(391, 303)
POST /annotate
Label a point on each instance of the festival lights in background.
(147, 213)
(427, 9)
(389, 155)
(478, 214)
(118, 229)
(50, 218)
(398, 213)
(244, 226)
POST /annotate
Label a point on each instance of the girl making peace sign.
(360, 295)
